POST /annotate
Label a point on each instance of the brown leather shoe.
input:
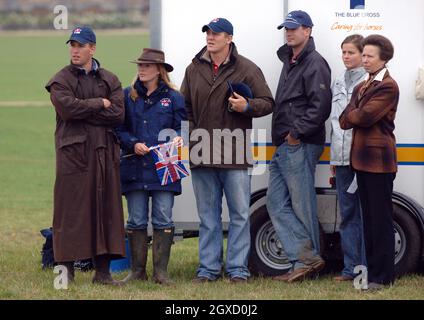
(343, 278)
(318, 265)
(283, 277)
(301, 274)
(307, 271)
(237, 280)
(202, 280)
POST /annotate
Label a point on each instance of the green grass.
(26, 183)
(27, 62)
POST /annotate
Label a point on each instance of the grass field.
(27, 61)
(26, 184)
(27, 176)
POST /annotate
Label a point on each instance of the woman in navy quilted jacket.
(152, 104)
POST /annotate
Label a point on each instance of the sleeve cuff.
(132, 143)
(248, 107)
(98, 105)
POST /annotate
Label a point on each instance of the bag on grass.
(47, 254)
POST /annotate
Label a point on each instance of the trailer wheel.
(267, 256)
(407, 241)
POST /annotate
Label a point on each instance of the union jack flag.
(168, 163)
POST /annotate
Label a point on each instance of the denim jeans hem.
(164, 227)
(129, 228)
(210, 276)
(238, 274)
(348, 273)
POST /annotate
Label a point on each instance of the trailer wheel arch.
(407, 231)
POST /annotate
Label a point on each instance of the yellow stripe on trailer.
(408, 154)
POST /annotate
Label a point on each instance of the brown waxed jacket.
(206, 101)
(88, 215)
(372, 118)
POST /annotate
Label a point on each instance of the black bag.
(47, 255)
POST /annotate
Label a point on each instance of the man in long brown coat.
(88, 216)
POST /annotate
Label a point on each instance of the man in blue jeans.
(219, 162)
(302, 104)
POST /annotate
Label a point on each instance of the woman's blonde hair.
(163, 75)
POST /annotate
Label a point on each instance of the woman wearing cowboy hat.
(152, 104)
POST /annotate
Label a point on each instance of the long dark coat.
(88, 216)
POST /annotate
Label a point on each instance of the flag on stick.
(168, 163)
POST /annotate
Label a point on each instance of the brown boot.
(318, 265)
(138, 242)
(342, 278)
(283, 277)
(308, 271)
(162, 242)
(102, 274)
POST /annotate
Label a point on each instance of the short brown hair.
(384, 44)
(356, 40)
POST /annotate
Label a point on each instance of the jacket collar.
(142, 90)
(203, 55)
(285, 52)
(382, 74)
(379, 77)
(207, 57)
(78, 70)
(354, 75)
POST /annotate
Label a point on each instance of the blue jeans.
(291, 201)
(138, 209)
(209, 185)
(351, 233)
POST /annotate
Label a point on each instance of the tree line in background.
(105, 14)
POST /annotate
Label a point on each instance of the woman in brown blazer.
(371, 113)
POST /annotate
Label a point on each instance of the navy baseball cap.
(242, 89)
(82, 35)
(295, 19)
(219, 25)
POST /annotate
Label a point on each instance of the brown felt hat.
(153, 56)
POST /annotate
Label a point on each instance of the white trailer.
(176, 28)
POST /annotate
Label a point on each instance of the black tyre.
(407, 241)
(267, 256)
